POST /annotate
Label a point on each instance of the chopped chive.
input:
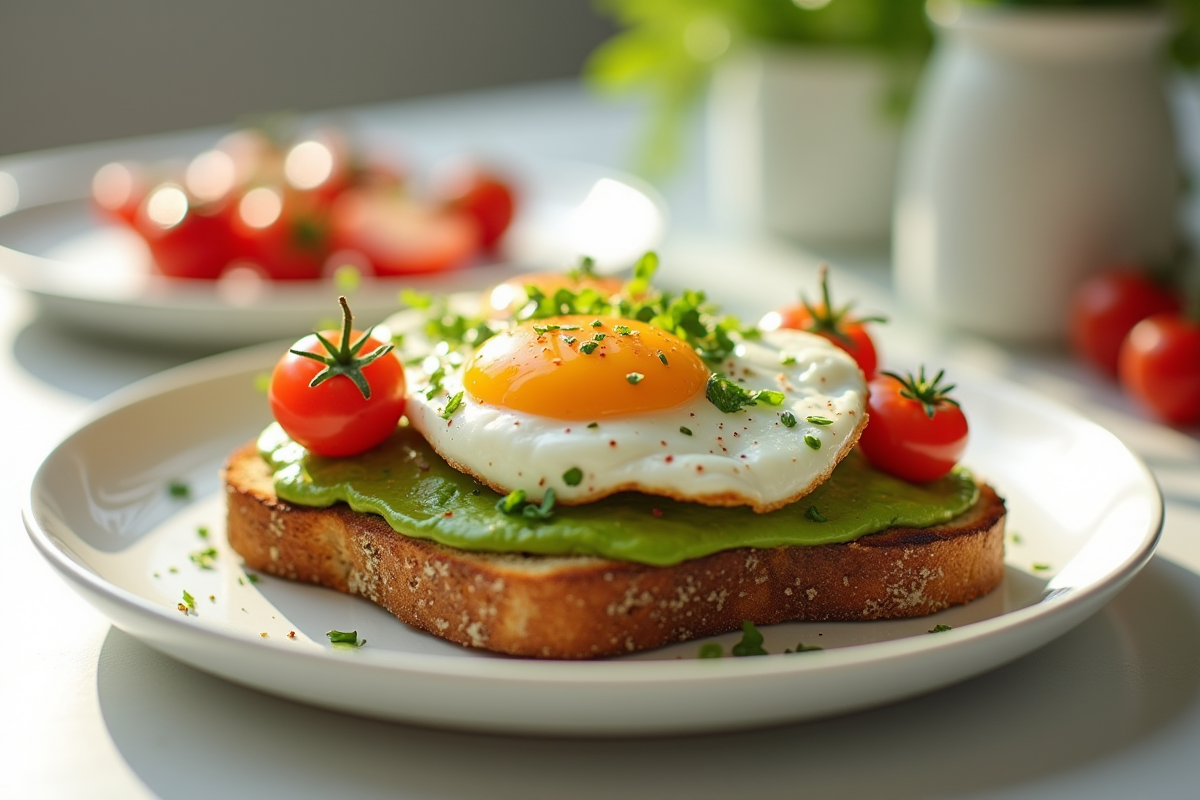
(452, 406)
(788, 419)
(543, 511)
(511, 502)
(600, 337)
(815, 515)
(250, 576)
(202, 532)
(573, 476)
(596, 323)
(685, 431)
(662, 357)
(786, 359)
(751, 643)
(188, 600)
(204, 559)
(635, 378)
(179, 489)
(1041, 567)
(593, 424)
(569, 339)
(587, 348)
(711, 650)
(624, 330)
(812, 441)
(801, 647)
(940, 629)
(345, 638)
(815, 420)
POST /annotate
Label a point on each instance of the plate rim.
(512, 670)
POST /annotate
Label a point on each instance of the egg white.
(749, 457)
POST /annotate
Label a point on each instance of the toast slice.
(573, 607)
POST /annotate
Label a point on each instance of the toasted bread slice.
(586, 607)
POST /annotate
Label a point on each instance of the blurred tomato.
(1105, 308)
(284, 232)
(118, 190)
(400, 237)
(186, 240)
(1160, 366)
(483, 196)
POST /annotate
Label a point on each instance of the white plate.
(1082, 505)
(97, 278)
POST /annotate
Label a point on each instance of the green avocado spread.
(419, 495)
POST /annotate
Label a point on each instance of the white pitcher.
(1041, 150)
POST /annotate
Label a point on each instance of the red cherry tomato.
(118, 190)
(1160, 367)
(284, 232)
(830, 322)
(915, 431)
(1105, 308)
(320, 166)
(334, 418)
(399, 237)
(185, 241)
(483, 197)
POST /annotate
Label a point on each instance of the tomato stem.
(926, 392)
(343, 358)
(826, 319)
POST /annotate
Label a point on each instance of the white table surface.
(1112, 709)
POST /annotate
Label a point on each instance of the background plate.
(1086, 512)
(96, 278)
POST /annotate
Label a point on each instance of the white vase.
(800, 144)
(1041, 149)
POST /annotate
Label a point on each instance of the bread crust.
(586, 607)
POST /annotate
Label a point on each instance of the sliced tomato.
(284, 232)
(483, 196)
(400, 237)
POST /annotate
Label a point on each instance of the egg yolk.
(571, 368)
(507, 298)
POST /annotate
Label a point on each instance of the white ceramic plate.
(1086, 511)
(97, 278)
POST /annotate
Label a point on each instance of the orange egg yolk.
(509, 297)
(570, 368)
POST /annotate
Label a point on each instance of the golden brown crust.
(584, 607)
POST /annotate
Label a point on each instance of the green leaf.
(711, 650)
(345, 638)
(573, 476)
(452, 406)
(751, 643)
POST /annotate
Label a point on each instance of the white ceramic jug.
(1041, 150)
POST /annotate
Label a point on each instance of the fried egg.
(593, 406)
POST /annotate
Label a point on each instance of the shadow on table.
(86, 365)
(1124, 681)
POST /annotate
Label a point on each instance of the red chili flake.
(656, 512)
(291, 634)
(448, 514)
(612, 442)
(669, 459)
(700, 467)
(664, 444)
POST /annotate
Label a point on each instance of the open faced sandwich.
(574, 467)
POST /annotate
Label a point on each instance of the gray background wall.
(81, 70)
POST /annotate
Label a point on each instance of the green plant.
(669, 47)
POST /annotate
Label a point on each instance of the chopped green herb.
(349, 638)
(587, 348)
(624, 330)
(593, 424)
(787, 359)
(573, 476)
(250, 576)
(418, 300)
(635, 378)
(1041, 567)
(347, 278)
(940, 629)
(543, 511)
(685, 431)
(569, 339)
(815, 515)
(729, 397)
(711, 650)
(452, 406)
(812, 441)
(788, 419)
(815, 420)
(801, 647)
(511, 503)
(596, 323)
(189, 601)
(1016, 538)
(662, 357)
(202, 532)
(600, 337)
(751, 643)
(179, 489)
(204, 559)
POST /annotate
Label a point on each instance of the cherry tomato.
(830, 322)
(915, 431)
(284, 232)
(1160, 366)
(399, 237)
(1105, 308)
(118, 190)
(482, 196)
(336, 417)
(186, 241)
(320, 166)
